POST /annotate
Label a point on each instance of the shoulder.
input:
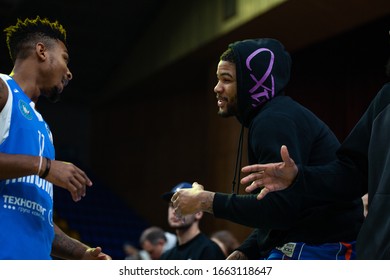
(386, 86)
(168, 254)
(383, 95)
(203, 248)
(380, 101)
(281, 108)
(3, 93)
(207, 242)
(283, 112)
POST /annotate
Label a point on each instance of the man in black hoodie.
(252, 76)
(362, 166)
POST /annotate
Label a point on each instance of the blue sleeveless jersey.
(26, 203)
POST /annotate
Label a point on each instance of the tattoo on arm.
(207, 202)
(62, 246)
(66, 247)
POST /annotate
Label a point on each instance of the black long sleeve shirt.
(290, 215)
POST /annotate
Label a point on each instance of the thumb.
(94, 251)
(195, 185)
(286, 156)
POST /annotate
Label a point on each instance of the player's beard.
(231, 109)
(53, 95)
(184, 224)
(181, 227)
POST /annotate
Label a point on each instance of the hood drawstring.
(237, 169)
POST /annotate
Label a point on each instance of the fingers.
(174, 197)
(96, 254)
(174, 200)
(187, 201)
(252, 168)
(78, 184)
(263, 193)
(77, 190)
(286, 156)
(257, 183)
(252, 177)
(82, 177)
(70, 177)
(97, 251)
(76, 172)
(195, 185)
(176, 209)
(177, 213)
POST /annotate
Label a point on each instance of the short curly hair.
(22, 36)
(228, 55)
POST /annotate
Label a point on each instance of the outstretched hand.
(95, 254)
(270, 177)
(70, 177)
(187, 201)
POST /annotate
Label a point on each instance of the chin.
(53, 95)
(54, 98)
(224, 114)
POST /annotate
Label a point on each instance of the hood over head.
(263, 70)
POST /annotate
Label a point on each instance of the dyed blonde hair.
(24, 35)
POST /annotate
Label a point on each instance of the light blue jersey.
(26, 203)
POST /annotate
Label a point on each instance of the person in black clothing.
(252, 75)
(192, 243)
(362, 166)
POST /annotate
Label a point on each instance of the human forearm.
(66, 247)
(206, 199)
(277, 210)
(60, 173)
(14, 166)
(271, 176)
(333, 182)
(190, 201)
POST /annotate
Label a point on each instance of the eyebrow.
(224, 74)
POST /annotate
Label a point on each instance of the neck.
(26, 81)
(186, 234)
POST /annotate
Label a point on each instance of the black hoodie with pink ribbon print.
(273, 119)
